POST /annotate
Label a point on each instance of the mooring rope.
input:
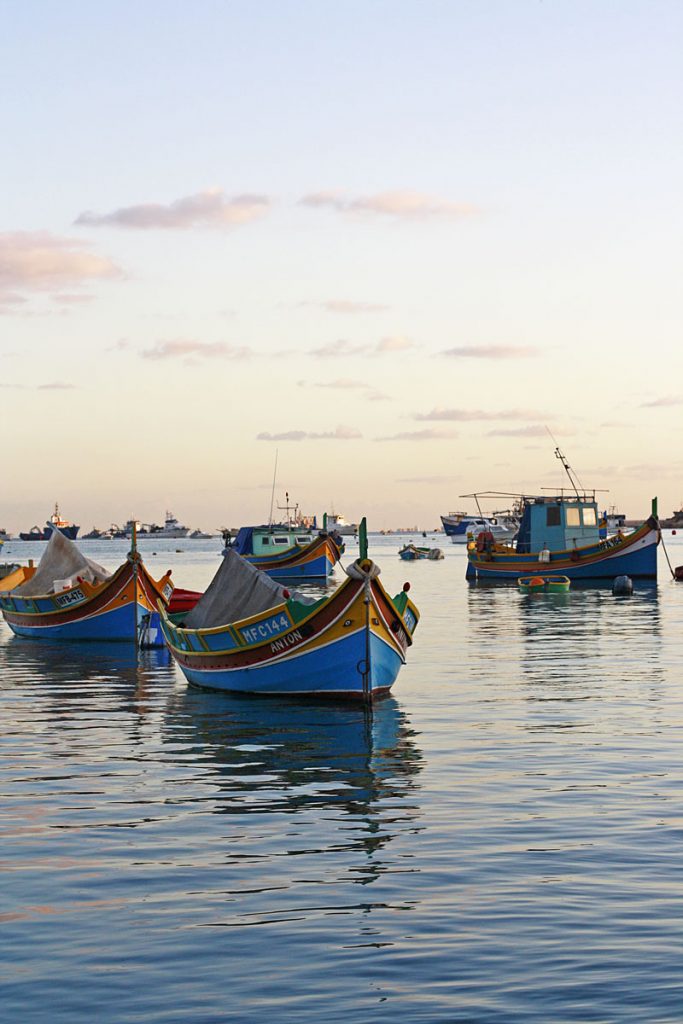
(668, 560)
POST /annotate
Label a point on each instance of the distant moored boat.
(55, 522)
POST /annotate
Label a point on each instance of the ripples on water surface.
(501, 841)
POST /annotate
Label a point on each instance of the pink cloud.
(342, 348)
(38, 261)
(71, 300)
(346, 306)
(473, 415)
(491, 352)
(397, 343)
(183, 348)
(403, 205)
(530, 431)
(340, 433)
(337, 349)
(208, 209)
(662, 403)
(431, 434)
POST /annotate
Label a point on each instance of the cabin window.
(589, 517)
(266, 540)
(553, 515)
(280, 540)
(572, 517)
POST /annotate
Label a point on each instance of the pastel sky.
(399, 243)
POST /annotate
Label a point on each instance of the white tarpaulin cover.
(61, 563)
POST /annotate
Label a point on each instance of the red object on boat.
(183, 600)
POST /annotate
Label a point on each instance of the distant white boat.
(338, 523)
(460, 526)
(171, 528)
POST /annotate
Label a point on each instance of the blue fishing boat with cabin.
(295, 549)
(560, 536)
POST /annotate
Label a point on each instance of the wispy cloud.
(662, 403)
(340, 384)
(342, 348)
(53, 386)
(208, 209)
(340, 433)
(38, 261)
(184, 348)
(530, 431)
(473, 415)
(439, 481)
(71, 300)
(431, 434)
(368, 392)
(491, 352)
(346, 306)
(405, 205)
(395, 343)
(339, 349)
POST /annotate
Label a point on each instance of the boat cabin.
(271, 540)
(558, 524)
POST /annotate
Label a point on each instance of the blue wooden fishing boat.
(560, 536)
(248, 634)
(295, 549)
(70, 597)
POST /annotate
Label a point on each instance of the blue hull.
(460, 530)
(117, 625)
(330, 671)
(640, 563)
(317, 569)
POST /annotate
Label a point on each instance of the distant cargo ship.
(55, 522)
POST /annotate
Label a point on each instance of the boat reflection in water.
(96, 676)
(285, 755)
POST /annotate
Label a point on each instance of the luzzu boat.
(70, 597)
(288, 551)
(248, 634)
(559, 536)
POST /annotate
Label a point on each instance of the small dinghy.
(411, 553)
(543, 584)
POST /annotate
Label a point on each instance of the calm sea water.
(502, 840)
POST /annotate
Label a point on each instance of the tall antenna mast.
(272, 493)
(559, 454)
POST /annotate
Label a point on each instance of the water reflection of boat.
(283, 755)
(74, 670)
